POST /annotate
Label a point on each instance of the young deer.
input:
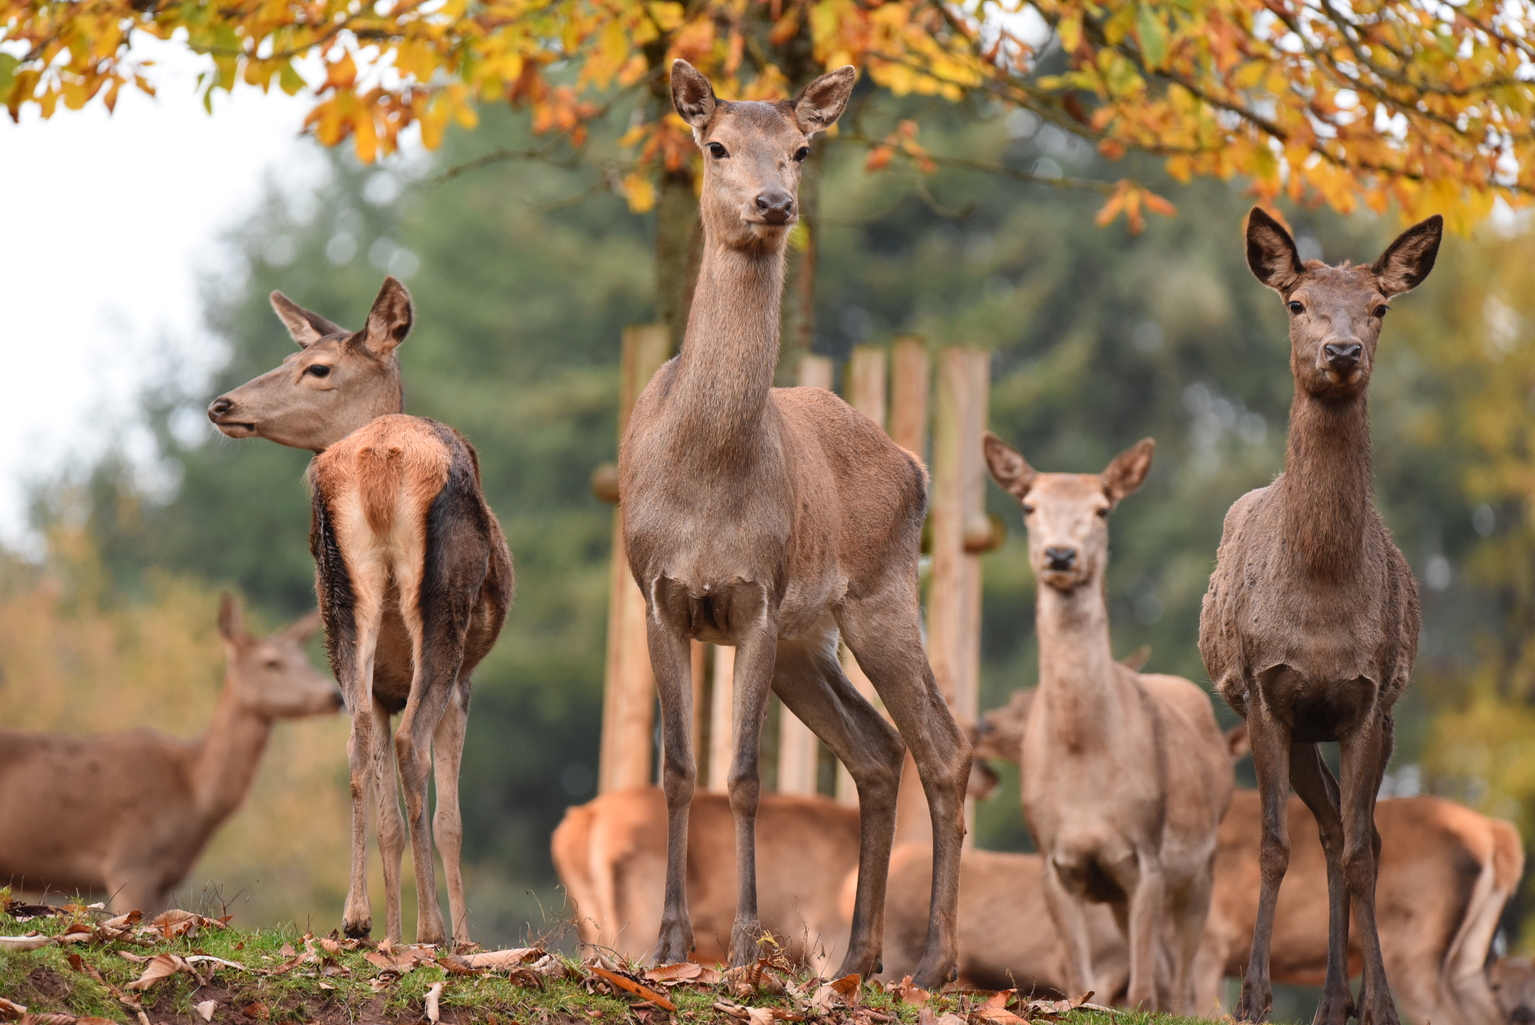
(768, 518)
(128, 814)
(1125, 775)
(1310, 626)
(413, 575)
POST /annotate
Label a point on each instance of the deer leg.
(1271, 760)
(352, 634)
(1148, 899)
(1191, 911)
(813, 686)
(756, 652)
(671, 662)
(391, 828)
(1070, 918)
(1315, 784)
(884, 635)
(448, 824)
(1363, 757)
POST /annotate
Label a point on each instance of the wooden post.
(628, 700)
(865, 387)
(721, 738)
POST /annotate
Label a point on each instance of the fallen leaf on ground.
(135, 958)
(754, 1015)
(177, 922)
(637, 988)
(206, 1009)
(502, 959)
(950, 1019)
(453, 964)
(10, 1010)
(161, 966)
(199, 958)
(995, 1010)
(909, 994)
(20, 943)
(673, 974)
(255, 1009)
(433, 999)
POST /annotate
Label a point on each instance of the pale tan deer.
(414, 579)
(1310, 626)
(128, 814)
(1125, 776)
(769, 518)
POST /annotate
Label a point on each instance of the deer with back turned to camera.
(414, 580)
(1125, 775)
(1310, 626)
(770, 519)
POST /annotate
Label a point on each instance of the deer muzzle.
(775, 206)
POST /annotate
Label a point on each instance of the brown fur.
(1125, 775)
(128, 814)
(1310, 626)
(772, 519)
(414, 579)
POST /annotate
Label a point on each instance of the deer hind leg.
(1315, 784)
(1363, 758)
(352, 626)
(447, 824)
(1271, 760)
(810, 680)
(883, 633)
(386, 808)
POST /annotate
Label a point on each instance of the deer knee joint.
(1274, 856)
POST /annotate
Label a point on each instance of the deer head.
(1067, 513)
(1336, 312)
(271, 676)
(753, 151)
(335, 383)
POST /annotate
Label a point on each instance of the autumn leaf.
(638, 989)
(161, 966)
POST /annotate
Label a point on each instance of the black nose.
(775, 205)
(1060, 558)
(218, 407)
(1343, 355)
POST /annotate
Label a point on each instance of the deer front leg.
(756, 651)
(1142, 878)
(1271, 760)
(1363, 757)
(1315, 784)
(671, 662)
(448, 824)
(1070, 920)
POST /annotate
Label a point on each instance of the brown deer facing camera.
(414, 579)
(1310, 626)
(770, 518)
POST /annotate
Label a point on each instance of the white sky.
(108, 222)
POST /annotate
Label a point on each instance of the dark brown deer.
(1310, 625)
(414, 579)
(768, 518)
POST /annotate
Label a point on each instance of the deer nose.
(775, 205)
(1060, 558)
(218, 407)
(1343, 355)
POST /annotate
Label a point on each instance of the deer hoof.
(1253, 1007)
(675, 943)
(357, 930)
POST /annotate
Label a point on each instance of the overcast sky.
(109, 221)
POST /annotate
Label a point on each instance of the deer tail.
(380, 473)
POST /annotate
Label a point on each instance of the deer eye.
(273, 664)
(1028, 510)
(717, 151)
(318, 370)
(1296, 308)
(1103, 513)
(1381, 311)
(802, 153)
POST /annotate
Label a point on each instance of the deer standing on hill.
(1310, 626)
(768, 518)
(413, 575)
(128, 814)
(1125, 776)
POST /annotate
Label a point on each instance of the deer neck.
(225, 760)
(1325, 490)
(1076, 663)
(730, 350)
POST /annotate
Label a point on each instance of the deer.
(773, 519)
(1309, 628)
(414, 580)
(1125, 775)
(128, 814)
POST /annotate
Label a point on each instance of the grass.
(339, 986)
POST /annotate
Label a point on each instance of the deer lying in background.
(770, 519)
(1310, 625)
(128, 814)
(1125, 776)
(413, 575)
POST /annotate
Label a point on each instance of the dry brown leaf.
(255, 1009)
(161, 966)
(122, 923)
(950, 1019)
(10, 1010)
(51, 1019)
(501, 960)
(286, 950)
(177, 922)
(675, 974)
(639, 989)
(910, 994)
(453, 964)
(206, 1009)
(752, 1015)
(135, 958)
(20, 943)
(433, 1003)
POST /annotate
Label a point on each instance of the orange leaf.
(638, 989)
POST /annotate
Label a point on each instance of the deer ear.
(1407, 261)
(692, 94)
(1271, 252)
(1128, 470)
(305, 326)
(389, 320)
(1007, 467)
(302, 629)
(231, 620)
(1238, 742)
(821, 102)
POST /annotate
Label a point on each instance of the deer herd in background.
(779, 520)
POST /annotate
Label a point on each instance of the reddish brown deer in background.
(414, 579)
(128, 814)
(768, 518)
(1310, 625)
(1125, 775)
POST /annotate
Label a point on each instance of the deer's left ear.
(1128, 470)
(1407, 261)
(820, 103)
(389, 320)
(692, 94)
(231, 620)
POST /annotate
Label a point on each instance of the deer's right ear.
(305, 326)
(1007, 466)
(1271, 253)
(389, 320)
(821, 102)
(692, 94)
(1238, 742)
(231, 620)
(302, 629)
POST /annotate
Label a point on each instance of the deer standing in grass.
(414, 580)
(1310, 626)
(128, 814)
(768, 518)
(1125, 776)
